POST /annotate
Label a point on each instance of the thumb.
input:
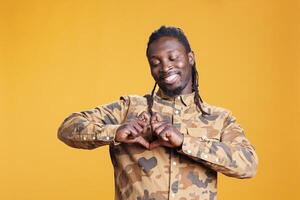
(144, 116)
(155, 144)
(142, 141)
(156, 117)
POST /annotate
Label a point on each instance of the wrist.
(181, 136)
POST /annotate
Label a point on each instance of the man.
(169, 144)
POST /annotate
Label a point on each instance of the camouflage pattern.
(213, 143)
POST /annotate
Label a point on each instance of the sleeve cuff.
(108, 135)
(197, 148)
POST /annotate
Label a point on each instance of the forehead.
(165, 44)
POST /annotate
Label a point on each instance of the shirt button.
(174, 163)
(176, 112)
(189, 151)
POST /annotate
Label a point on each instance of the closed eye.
(154, 62)
(172, 58)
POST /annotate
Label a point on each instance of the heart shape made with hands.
(162, 132)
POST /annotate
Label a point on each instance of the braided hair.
(178, 34)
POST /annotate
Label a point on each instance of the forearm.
(79, 132)
(95, 127)
(232, 159)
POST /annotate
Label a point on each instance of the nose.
(166, 66)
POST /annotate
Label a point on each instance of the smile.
(170, 79)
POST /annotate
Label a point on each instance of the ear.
(191, 58)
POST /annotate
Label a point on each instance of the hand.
(167, 134)
(132, 131)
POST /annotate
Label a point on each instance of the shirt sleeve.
(95, 127)
(232, 155)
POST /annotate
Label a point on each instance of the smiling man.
(168, 144)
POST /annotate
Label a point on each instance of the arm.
(93, 128)
(233, 155)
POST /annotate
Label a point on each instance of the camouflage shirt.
(212, 143)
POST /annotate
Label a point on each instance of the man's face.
(171, 66)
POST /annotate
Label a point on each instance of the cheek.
(182, 64)
(154, 73)
(183, 67)
(186, 72)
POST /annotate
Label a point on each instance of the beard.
(172, 92)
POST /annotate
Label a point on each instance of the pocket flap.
(204, 132)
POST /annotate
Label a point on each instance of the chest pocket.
(205, 133)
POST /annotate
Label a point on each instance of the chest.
(187, 119)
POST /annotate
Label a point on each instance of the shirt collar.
(186, 99)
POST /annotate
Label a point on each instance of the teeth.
(171, 78)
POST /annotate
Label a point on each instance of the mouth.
(170, 78)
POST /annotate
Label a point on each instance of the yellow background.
(62, 56)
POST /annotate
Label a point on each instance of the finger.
(153, 118)
(143, 124)
(137, 126)
(142, 142)
(132, 131)
(155, 144)
(144, 116)
(156, 117)
(156, 125)
(165, 134)
(143, 127)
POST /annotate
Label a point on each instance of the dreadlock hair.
(178, 34)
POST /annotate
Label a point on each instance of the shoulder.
(214, 110)
(133, 99)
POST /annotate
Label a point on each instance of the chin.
(171, 91)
